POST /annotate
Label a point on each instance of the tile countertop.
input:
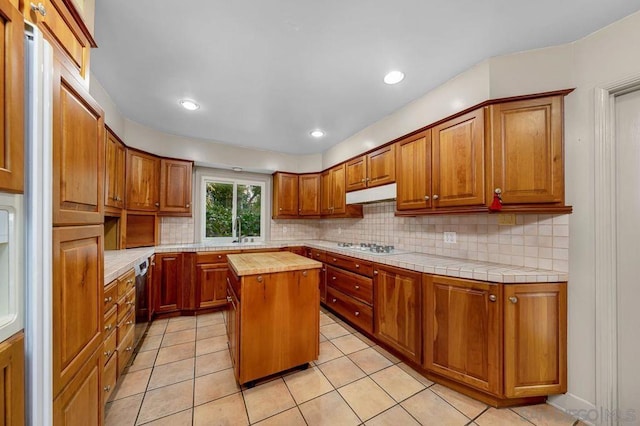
(118, 262)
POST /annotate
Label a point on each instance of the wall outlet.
(284, 229)
(450, 237)
(506, 219)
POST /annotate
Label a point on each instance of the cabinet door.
(323, 283)
(463, 331)
(78, 290)
(413, 172)
(535, 339)
(397, 303)
(212, 285)
(115, 155)
(325, 190)
(285, 194)
(381, 166)
(80, 403)
(78, 152)
(526, 151)
(233, 329)
(142, 181)
(309, 195)
(458, 161)
(11, 98)
(338, 193)
(12, 380)
(175, 187)
(356, 173)
(168, 276)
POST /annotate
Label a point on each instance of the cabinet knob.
(334, 300)
(280, 209)
(157, 204)
(492, 297)
(129, 349)
(259, 278)
(375, 272)
(219, 256)
(39, 8)
(497, 191)
(107, 327)
(356, 313)
(304, 273)
(426, 197)
(108, 299)
(188, 205)
(129, 281)
(107, 354)
(357, 287)
(357, 265)
(317, 254)
(335, 260)
(435, 197)
(362, 180)
(513, 299)
(129, 303)
(129, 322)
(333, 278)
(229, 300)
(107, 388)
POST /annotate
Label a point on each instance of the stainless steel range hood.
(372, 195)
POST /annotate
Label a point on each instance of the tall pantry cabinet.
(78, 216)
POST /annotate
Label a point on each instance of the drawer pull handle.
(375, 272)
(39, 8)
(107, 327)
(219, 256)
(229, 300)
(129, 281)
(356, 313)
(333, 278)
(129, 349)
(130, 303)
(107, 354)
(357, 287)
(129, 322)
(492, 297)
(107, 388)
(335, 260)
(513, 299)
(357, 265)
(317, 254)
(108, 299)
(334, 300)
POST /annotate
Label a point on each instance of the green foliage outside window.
(219, 209)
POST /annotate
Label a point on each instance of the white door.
(628, 255)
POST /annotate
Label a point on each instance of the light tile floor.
(182, 375)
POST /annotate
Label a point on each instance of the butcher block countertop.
(270, 262)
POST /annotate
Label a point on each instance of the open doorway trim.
(605, 244)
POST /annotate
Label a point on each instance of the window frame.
(235, 182)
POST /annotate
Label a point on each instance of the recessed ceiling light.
(236, 169)
(317, 133)
(394, 77)
(189, 104)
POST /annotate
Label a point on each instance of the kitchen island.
(273, 320)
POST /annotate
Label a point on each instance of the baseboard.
(576, 407)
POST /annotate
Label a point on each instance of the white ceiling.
(267, 72)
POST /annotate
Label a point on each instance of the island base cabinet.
(535, 339)
(462, 331)
(278, 324)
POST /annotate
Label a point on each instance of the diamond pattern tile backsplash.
(536, 241)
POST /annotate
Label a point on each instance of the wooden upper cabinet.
(77, 294)
(78, 152)
(463, 326)
(356, 173)
(12, 98)
(413, 172)
(325, 193)
(63, 26)
(309, 194)
(374, 169)
(115, 159)
(526, 151)
(398, 301)
(458, 161)
(285, 195)
(143, 172)
(535, 339)
(175, 187)
(338, 193)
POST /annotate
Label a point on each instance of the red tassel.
(496, 205)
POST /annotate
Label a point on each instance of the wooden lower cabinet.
(463, 325)
(12, 380)
(535, 339)
(232, 321)
(211, 285)
(109, 378)
(168, 272)
(78, 300)
(80, 402)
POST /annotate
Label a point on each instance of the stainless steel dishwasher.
(142, 300)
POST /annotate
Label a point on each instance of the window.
(231, 207)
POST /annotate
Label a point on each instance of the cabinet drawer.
(125, 350)
(109, 378)
(126, 282)
(351, 284)
(318, 255)
(126, 304)
(126, 325)
(356, 312)
(110, 295)
(214, 257)
(109, 347)
(362, 267)
(110, 321)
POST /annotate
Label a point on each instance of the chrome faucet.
(238, 226)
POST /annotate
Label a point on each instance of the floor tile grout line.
(480, 414)
(521, 416)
